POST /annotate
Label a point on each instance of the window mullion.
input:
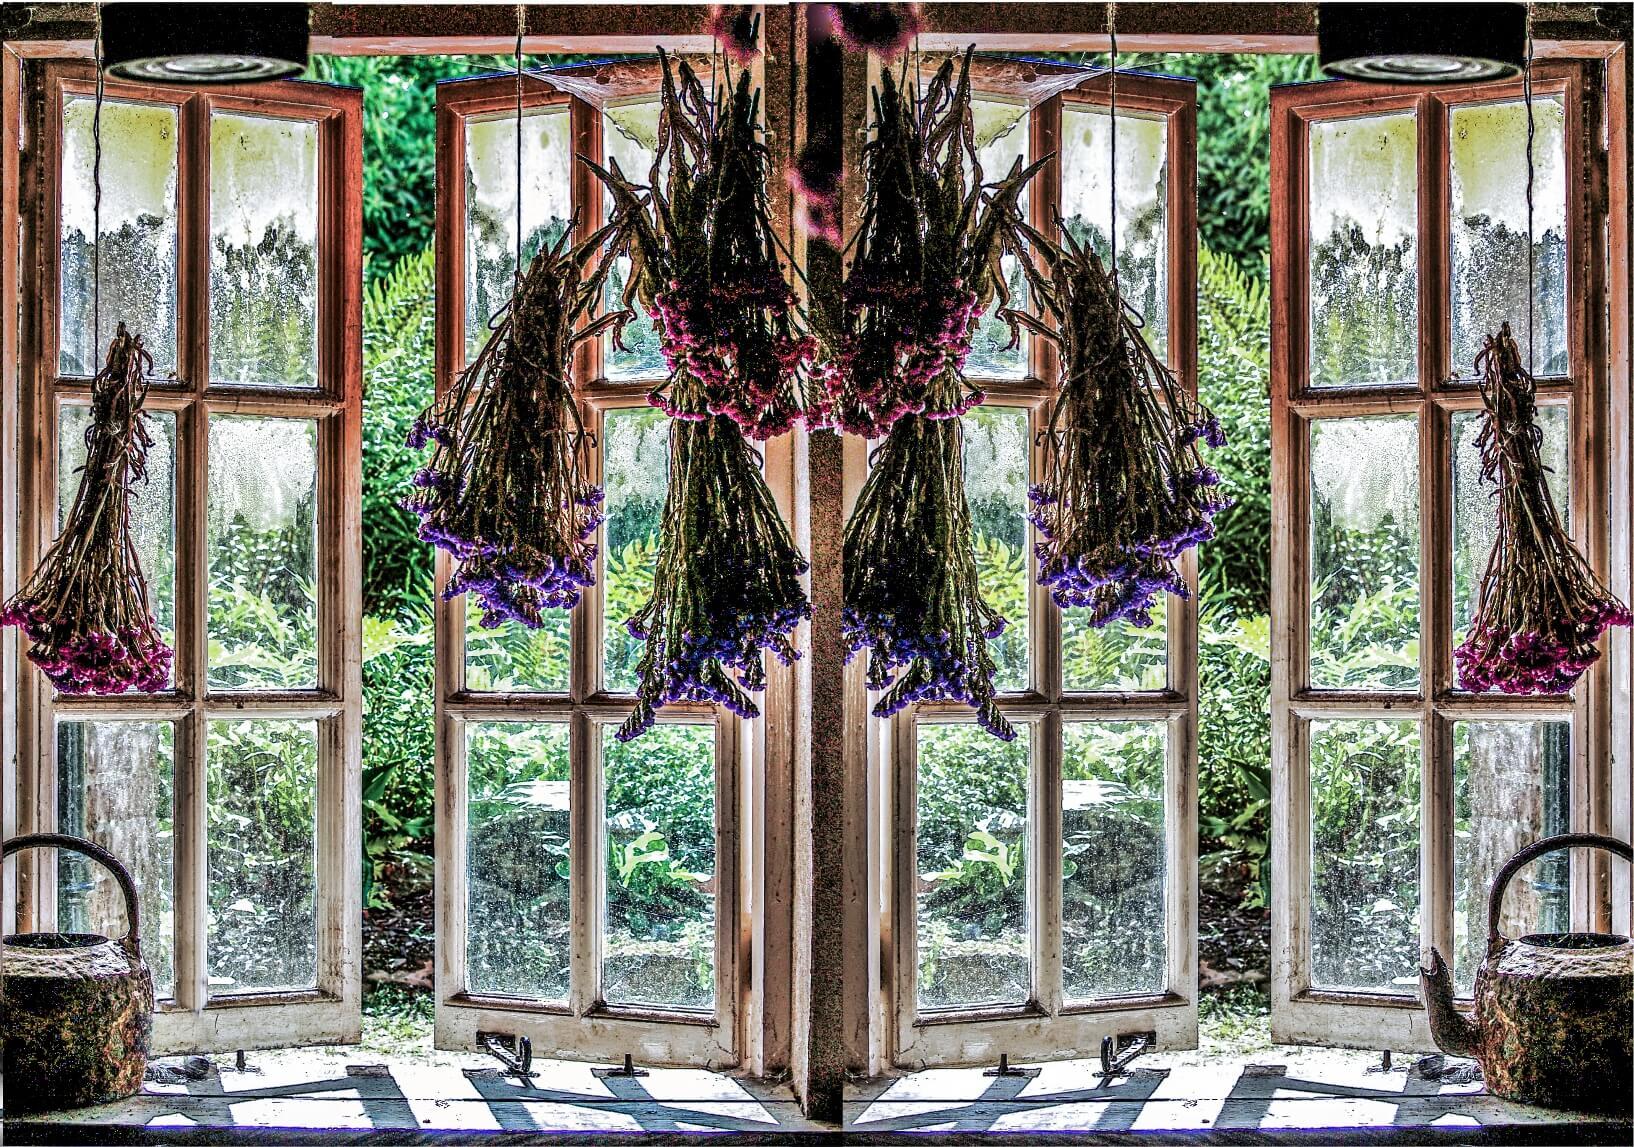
(1045, 862)
(585, 805)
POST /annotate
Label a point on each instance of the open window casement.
(1399, 241)
(579, 903)
(1086, 822)
(230, 236)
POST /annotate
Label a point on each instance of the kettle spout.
(1452, 1033)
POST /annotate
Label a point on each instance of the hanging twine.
(521, 29)
(96, 194)
(1112, 194)
(1531, 242)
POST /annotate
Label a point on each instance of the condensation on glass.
(971, 849)
(629, 137)
(1117, 656)
(116, 787)
(1487, 162)
(518, 831)
(1364, 894)
(152, 503)
(1475, 503)
(137, 233)
(261, 785)
(1364, 553)
(1003, 129)
(1113, 859)
(1143, 203)
(490, 205)
(261, 542)
(635, 475)
(1511, 786)
(263, 251)
(1363, 262)
(997, 458)
(658, 935)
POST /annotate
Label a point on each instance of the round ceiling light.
(1422, 43)
(204, 44)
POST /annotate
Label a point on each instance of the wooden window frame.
(585, 1027)
(1302, 1013)
(1046, 1027)
(330, 1012)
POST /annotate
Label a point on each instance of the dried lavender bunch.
(727, 583)
(1541, 608)
(85, 610)
(912, 597)
(1125, 490)
(928, 258)
(705, 264)
(503, 492)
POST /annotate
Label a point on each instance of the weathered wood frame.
(1300, 1012)
(330, 1012)
(1046, 1027)
(586, 1026)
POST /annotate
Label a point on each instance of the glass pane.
(659, 938)
(152, 504)
(1475, 506)
(511, 657)
(1143, 203)
(971, 849)
(1488, 165)
(1364, 251)
(262, 789)
(137, 233)
(261, 535)
(1512, 785)
(115, 787)
(1002, 131)
(490, 205)
(1113, 859)
(1117, 656)
(997, 455)
(1364, 855)
(518, 905)
(629, 134)
(263, 251)
(1364, 553)
(635, 474)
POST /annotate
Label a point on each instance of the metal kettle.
(1553, 1022)
(76, 1009)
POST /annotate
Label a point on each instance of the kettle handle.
(1495, 898)
(133, 937)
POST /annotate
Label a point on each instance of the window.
(230, 239)
(1399, 243)
(580, 904)
(1043, 890)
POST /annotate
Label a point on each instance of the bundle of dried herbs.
(85, 611)
(504, 491)
(705, 263)
(1125, 489)
(927, 266)
(726, 587)
(727, 583)
(912, 597)
(1541, 609)
(927, 259)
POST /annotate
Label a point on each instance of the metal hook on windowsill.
(515, 1053)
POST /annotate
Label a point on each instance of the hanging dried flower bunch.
(927, 266)
(1125, 489)
(503, 492)
(1541, 608)
(727, 583)
(885, 29)
(85, 610)
(705, 262)
(736, 28)
(927, 259)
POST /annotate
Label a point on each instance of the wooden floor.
(1289, 1095)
